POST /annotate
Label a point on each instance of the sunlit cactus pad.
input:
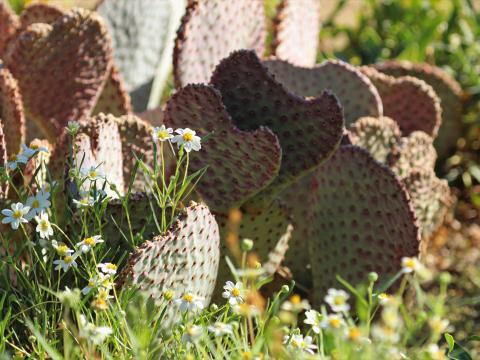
(184, 260)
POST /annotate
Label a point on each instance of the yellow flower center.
(102, 294)
(13, 157)
(91, 283)
(68, 259)
(93, 174)
(339, 300)
(235, 292)
(188, 298)
(187, 136)
(34, 147)
(294, 343)
(246, 355)
(17, 214)
(295, 299)
(35, 204)
(334, 322)
(44, 225)
(111, 266)
(190, 331)
(163, 134)
(62, 249)
(410, 263)
(354, 333)
(89, 241)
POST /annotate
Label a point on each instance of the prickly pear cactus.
(308, 130)
(40, 13)
(11, 111)
(114, 98)
(143, 32)
(72, 57)
(3, 162)
(210, 31)
(240, 163)
(411, 102)
(9, 24)
(296, 28)
(447, 89)
(184, 260)
(356, 93)
(363, 221)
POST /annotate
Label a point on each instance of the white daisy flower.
(410, 264)
(44, 227)
(108, 268)
(298, 342)
(85, 201)
(29, 151)
(295, 304)
(94, 334)
(385, 299)
(15, 160)
(66, 262)
(38, 203)
(99, 280)
(332, 321)
(192, 333)
(338, 300)
(219, 329)
(189, 302)
(93, 173)
(436, 353)
(86, 244)
(354, 334)
(188, 139)
(313, 318)
(16, 215)
(437, 324)
(385, 333)
(247, 310)
(162, 133)
(234, 293)
(61, 248)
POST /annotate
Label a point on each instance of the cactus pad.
(71, 57)
(430, 198)
(447, 89)
(9, 24)
(296, 29)
(308, 130)
(378, 135)
(114, 99)
(411, 102)
(141, 37)
(11, 111)
(40, 13)
(184, 260)
(354, 90)
(363, 221)
(210, 31)
(240, 163)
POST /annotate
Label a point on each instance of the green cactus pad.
(411, 102)
(240, 163)
(184, 260)
(363, 221)
(99, 145)
(411, 152)
(378, 135)
(431, 198)
(143, 33)
(296, 29)
(354, 90)
(309, 130)
(447, 89)
(11, 111)
(270, 230)
(40, 13)
(3, 162)
(9, 24)
(114, 98)
(71, 57)
(210, 31)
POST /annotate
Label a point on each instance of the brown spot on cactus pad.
(363, 221)
(296, 31)
(240, 163)
(184, 260)
(210, 31)
(9, 24)
(354, 90)
(11, 111)
(447, 89)
(61, 68)
(308, 130)
(411, 102)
